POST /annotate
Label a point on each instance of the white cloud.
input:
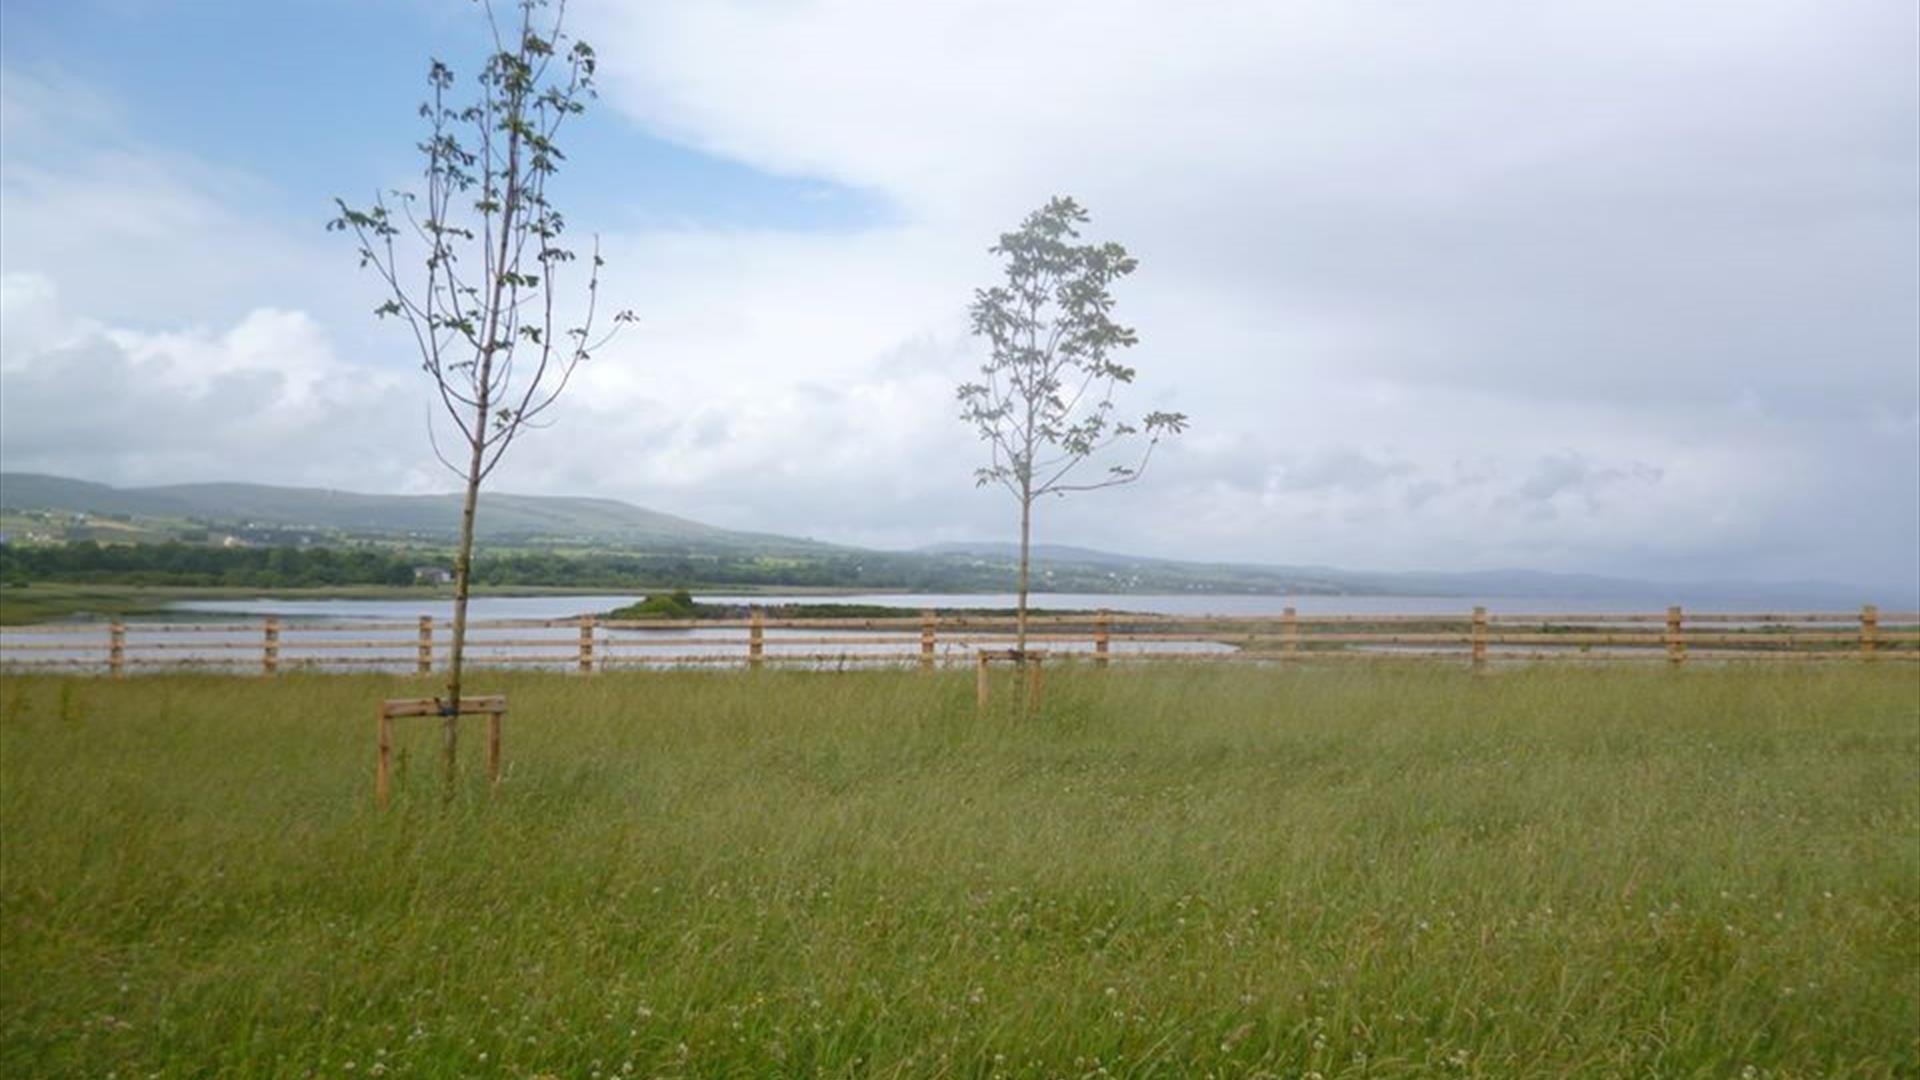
(1590, 286)
(264, 398)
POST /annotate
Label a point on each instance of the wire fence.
(588, 644)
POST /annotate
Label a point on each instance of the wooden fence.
(586, 644)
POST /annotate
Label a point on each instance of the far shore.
(57, 601)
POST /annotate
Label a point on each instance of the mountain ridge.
(506, 517)
(1501, 581)
(563, 522)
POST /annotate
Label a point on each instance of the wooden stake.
(587, 623)
(1869, 632)
(982, 684)
(493, 746)
(1102, 638)
(117, 648)
(423, 653)
(1479, 638)
(270, 646)
(1289, 633)
(756, 640)
(1036, 682)
(380, 781)
(926, 639)
(494, 708)
(1676, 640)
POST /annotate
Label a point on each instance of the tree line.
(171, 563)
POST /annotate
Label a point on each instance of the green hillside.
(566, 541)
(536, 520)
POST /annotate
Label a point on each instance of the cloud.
(1339, 468)
(1617, 287)
(1568, 473)
(1640, 275)
(266, 397)
(1549, 201)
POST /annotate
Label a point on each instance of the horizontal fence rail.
(589, 644)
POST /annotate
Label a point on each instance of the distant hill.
(543, 520)
(265, 514)
(1327, 580)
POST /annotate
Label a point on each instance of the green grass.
(1387, 871)
(46, 602)
(49, 601)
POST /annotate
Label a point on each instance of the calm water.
(323, 631)
(561, 607)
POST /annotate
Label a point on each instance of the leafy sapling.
(473, 263)
(1044, 404)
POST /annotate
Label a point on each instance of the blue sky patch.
(317, 98)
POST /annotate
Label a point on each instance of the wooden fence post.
(117, 648)
(982, 682)
(493, 744)
(1036, 681)
(1102, 638)
(926, 639)
(1479, 638)
(270, 646)
(756, 640)
(423, 652)
(1676, 637)
(1869, 632)
(1289, 633)
(386, 752)
(587, 623)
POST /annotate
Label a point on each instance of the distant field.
(52, 601)
(1381, 871)
(49, 601)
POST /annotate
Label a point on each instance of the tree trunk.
(1026, 547)
(462, 585)
(477, 442)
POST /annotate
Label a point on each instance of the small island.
(680, 605)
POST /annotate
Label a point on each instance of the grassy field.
(1386, 871)
(50, 601)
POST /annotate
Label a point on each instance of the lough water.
(336, 632)
(563, 607)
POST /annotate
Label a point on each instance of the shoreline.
(52, 602)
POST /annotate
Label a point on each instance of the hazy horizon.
(1890, 591)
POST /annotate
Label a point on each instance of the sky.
(1602, 286)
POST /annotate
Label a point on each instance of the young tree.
(473, 263)
(1045, 404)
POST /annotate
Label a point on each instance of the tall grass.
(1390, 871)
